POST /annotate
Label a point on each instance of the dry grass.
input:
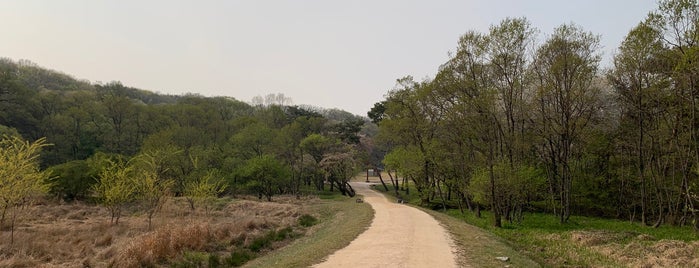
(80, 235)
(640, 250)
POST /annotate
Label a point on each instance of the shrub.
(72, 180)
(307, 220)
(239, 257)
(262, 242)
(214, 261)
(192, 260)
(284, 234)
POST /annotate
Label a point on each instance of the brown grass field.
(80, 235)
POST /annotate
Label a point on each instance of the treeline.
(95, 132)
(513, 125)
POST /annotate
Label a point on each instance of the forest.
(116, 145)
(511, 123)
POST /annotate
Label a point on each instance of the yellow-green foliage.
(151, 185)
(115, 187)
(20, 176)
(152, 191)
(206, 189)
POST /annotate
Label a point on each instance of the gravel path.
(399, 236)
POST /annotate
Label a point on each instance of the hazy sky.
(344, 54)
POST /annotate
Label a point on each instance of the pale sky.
(332, 54)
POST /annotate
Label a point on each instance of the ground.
(399, 236)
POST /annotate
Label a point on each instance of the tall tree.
(639, 80)
(567, 98)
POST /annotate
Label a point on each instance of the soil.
(399, 236)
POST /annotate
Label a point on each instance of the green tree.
(316, 145)
(254, 140)
(72, 180)
(567, 99)
(638, 80)
(266, 175)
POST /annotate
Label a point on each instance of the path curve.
(399, 236)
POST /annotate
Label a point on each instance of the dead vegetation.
(80, 235)
(639, 250)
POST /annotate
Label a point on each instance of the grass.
(480, 248)
(586, 241)
(234, 232)
(582, 242)
(341, 220)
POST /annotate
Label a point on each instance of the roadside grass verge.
(582, 242)
(340, 221)
(594, 242)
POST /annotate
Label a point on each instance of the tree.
(339, 167)
(473, 120)
(72, 180)
(152, 186)
(638, 80)
(347, 130)
(509, 44)
(410, 122)
(266, 175)
(567, 99)
(676, 27)
(376, 114)
(120, 112)
(316, 145)
(254, 140)
(115, 187)
(205, 189)
(408, 162)
(21, 180)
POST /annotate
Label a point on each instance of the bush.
(284, 234)
(214, 261)
(72, 180)
(192, 260)
(239, 257)
(271, 236)
(262, 242)
(307, 220)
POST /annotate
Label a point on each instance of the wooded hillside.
(267, 148)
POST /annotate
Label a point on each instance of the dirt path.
(399, 236)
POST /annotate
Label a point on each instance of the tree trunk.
(496, 210)
(393, 182)
(12, 225)
(350, 190)
(406, 187)
(441, 196)
(641, 167)
(381, 179)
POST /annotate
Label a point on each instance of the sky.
(333, 54)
